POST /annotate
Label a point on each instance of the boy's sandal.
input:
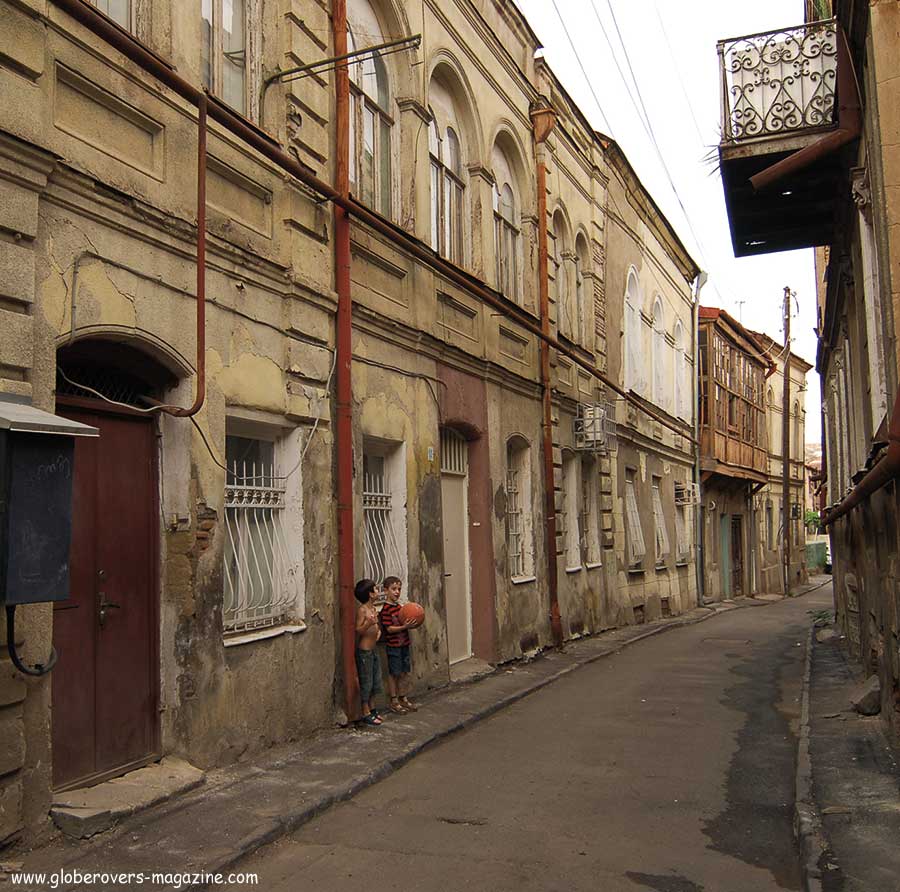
(408, 705)
(372, 719)
(397, 706)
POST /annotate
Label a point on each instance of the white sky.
(672, 50)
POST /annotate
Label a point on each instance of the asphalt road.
(667, 767)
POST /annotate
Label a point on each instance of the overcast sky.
(672, 51)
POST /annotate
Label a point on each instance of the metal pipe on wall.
(543, 120)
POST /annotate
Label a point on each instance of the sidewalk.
(848, 797)
(243, 807)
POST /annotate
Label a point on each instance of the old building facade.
(826, 175)
(205, 618)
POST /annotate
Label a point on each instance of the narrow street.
(667, 767)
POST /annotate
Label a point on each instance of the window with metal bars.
(659, 523)
(382, 551)
(635, 535)
(519, 531)
(262, 579)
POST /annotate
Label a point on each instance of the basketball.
(414, 612)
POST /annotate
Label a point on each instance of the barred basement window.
(635, 535)
(262, 578)
(659, 523)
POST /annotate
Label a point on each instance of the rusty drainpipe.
(849, 124)
(543, 120)
(344, 351)
(878, 476)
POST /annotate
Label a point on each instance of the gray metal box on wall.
(37, 463)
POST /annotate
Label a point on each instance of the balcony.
(778, 97)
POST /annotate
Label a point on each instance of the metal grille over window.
(260, 583)
(636, 547)
(382, 552)
(454, 453)
(514, 524)
(659, 522)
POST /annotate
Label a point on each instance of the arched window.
(370, 127)
(681, 384)
(566, 318)
(659, 353)
(447, 190)
(519, 516)
(582, 299)
(632, 334)
(507, 211)
(506, 241)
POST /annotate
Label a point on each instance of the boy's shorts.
(398, 660)
(368, 668)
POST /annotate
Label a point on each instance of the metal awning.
(17, 415)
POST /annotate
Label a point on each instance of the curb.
(807, 820)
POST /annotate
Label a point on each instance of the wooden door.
(105, 712)
(737, 555)
(454, 517)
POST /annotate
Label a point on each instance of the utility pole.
(786, 444)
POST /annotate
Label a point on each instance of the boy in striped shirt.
(396, 639)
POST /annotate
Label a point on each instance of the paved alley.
(668, 767)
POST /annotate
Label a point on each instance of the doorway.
(737, 555)
(105, 690)
(455, 522)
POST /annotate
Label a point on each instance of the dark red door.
(105, 684)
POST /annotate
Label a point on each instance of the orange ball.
(412, 611)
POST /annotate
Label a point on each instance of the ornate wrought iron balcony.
(778, 82)
(779, 95)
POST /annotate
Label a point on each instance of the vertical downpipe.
(343, 349)
(543, 121)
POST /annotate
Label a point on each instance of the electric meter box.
(37, 464)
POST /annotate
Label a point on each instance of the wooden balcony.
(778, 96)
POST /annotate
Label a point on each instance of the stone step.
(88, 810)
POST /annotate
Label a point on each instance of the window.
(370, 128)
(770, 526)
(798, 433)
(572, 511)
(506, 241)
(224, 61)
(682, 534)
(519, 531)
(118, 10)
(682, 388)
(590, 513)
(635, 535)
(382, 526)
(584, 308)
(446, 192)
(659, 354)
(632, 335)
(566, 310)
(659, 524)
(263, 572)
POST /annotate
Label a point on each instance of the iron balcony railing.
(778, 82)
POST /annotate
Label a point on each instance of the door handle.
(104, 607)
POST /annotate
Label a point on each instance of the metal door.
(737, 554)
(104, 712)
(454, 515)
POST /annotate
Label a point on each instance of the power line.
(581, 66)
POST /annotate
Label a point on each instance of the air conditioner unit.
(594, 427)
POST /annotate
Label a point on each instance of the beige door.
(455, 511)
